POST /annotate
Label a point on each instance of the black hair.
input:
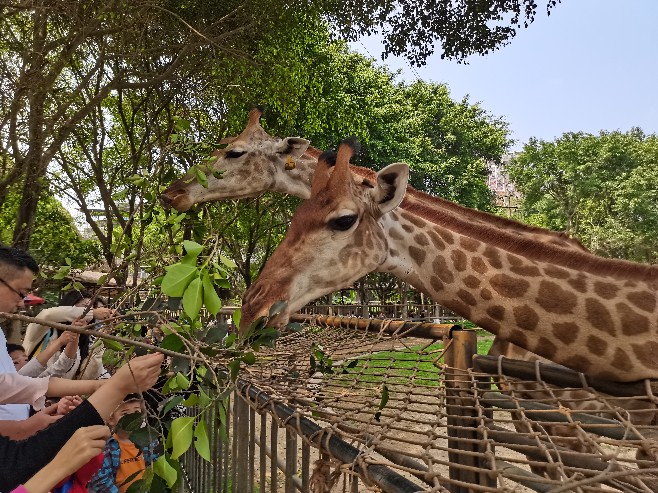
(14, 347)
(73, 297)
(18, 259)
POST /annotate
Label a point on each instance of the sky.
(589, 66)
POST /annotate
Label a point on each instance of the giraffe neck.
(591, 314)
(297, 182)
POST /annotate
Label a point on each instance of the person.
(85, 444)
(123, 462)
(73, 309)
(23, 459)
(65, 346)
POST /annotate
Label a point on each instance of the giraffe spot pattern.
(436, 284)
(407, 227)
(393, 253)
(526, 270)
(599, 316)
(459, 260)
(396, 234)
(478, 265)
(358, 238)
(436, 240)
(417, 255)
(566, 332)
(579, 283)
(489, 324)
(546, 348)
(421, 239)
(469, 244)
(596, 345)
(525, 317)
(605, 290)
(485, 294)
(441, 269)
(467, 297)
(460, 308)
(578, 362)
(496, 312)
(519, 338)
(632, 323)
(492, 255)
(508, 286)
(472, 282)
(514, 261)
(646, 354)
(621, 361)
(413, 219)
(556, 272)
(446, 236)
(644, 300)
(552, 298)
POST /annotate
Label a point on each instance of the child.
(123, 462)
(39, 366)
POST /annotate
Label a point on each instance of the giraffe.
(255, 162)
(594, 315)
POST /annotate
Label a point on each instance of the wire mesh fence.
(381, 409)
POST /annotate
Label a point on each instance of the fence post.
(463, 443)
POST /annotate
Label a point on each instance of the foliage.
(56, 233)
(601, 188)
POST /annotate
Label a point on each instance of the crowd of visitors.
(66, 446)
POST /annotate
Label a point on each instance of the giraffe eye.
(342, 223)
(235, 154)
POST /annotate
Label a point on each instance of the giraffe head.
(334, 237)
(249, 166)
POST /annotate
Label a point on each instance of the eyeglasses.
(19, 293)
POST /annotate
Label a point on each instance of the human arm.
(21, 429)
(84, 445)
(58, 314)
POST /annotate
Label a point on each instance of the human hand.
(85, 444)
(44, 418)
(102, 313)
(140, 373)
(68, 337)
(68, 403)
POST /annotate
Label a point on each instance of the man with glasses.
(17, 270)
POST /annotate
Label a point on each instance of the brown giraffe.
(255, 162)
(594, 315)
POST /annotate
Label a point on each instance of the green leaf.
(173, 402)
(192, 248)
(172, 342)
(236, 315)
(131, 422)
(113, 345)
(201, 442)
(163, 469)
(192, 400)
(181, 435)
(193, 298)
(234, 366)
(277, 307)
(384, 397)
(177, 279)
(249, 358)
(182, 381)
(201, 177)
(227, 262)
(143, 437)
(210, 299)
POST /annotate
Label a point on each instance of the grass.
(399, 367)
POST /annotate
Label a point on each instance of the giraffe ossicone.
(594, 315)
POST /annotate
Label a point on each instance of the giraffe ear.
(292, 146)
(391, 187)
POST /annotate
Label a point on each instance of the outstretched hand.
(140, 373)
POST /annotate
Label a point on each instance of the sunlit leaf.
(193, 298)
(201, 442)
(177, 279)
(181, 435)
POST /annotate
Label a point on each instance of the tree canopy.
(601, 188)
